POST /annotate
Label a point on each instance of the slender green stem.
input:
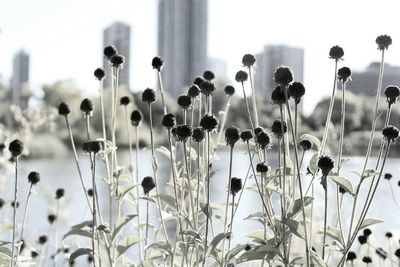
(247, 107)
(208, 199)
(137, 186)
(253, 97)
(14, 224)
(225, 116)
(94, 223)
(146, 240)
(231, 224)
(191, 199)
(325, 215)
(162, 91)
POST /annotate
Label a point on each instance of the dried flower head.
(236, 185)
(367, 232)
(229, 90)
(388, 176)
(248, 60)
(207, 87)
(51, 218)
(149, 96)
(125, 100)
(263, 140)
(90, 192)
(209, 122)
(99, 74)
(209, 75)
(279, 128)
(344, 74)
(157, 63)
(392, 93)
(117, 61)
(336, 52)
(34, 254)
(2, 202)
(42, 239)
(367, 259)
(296, 91)
(198, 80)
(183, 132)
(136, 117)
(59, 193)
(86, 106)
(241, 76)
(383, 41)
(110, 51)
(198, 135)
(390, 133)
(184, 101)
(389, 235)
(326, 164)
(16, 147)
(258, 130)
(246, 135)
(397, 253)
(33, 178)
(148, 184)
(278, 96)
(194, 91)
(342, 190)
(306, 144)
(63, 109)
(362, 239)
(168, 121)
(262, 167)
(232, 135)
(283, 75)
(92, 146)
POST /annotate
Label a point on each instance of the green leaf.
(82, 224)
(313, 165)
(313, 140)
(125, 244)
(79, 232)
(120, 223)
(79, 252)
(257, 253)
(343, 182)
(161, 245)
(125, 193)
(2, 243)
(369, 222)
(6, 251)
(168, 199)
(104, 228)
(193, 234)
(295, 227)
(316, 260)
(296, 206)
(233, 252)
(163, 151)
(217, 239)
(334, 233)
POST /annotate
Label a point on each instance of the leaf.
(257, 253)
(334, 233)
(343, 182)
(6, 251)
(125, 244)
(104, 228)
(2, 243)
(259, 234)
(233, 252)
(82, 224)
(79, 252)
(295, 227)
(163, 151)
(369, 222)
(296, 206)
(312, 138)
(313, 165)
(149, 199)
(217, 239)
(120, 223)
(79, 232)
(124, 194)
(168, 199)
(193, 234)
(316, 260)
(161, 245)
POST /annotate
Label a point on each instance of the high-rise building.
(118, 34)
(272, 57)
(366, 82)
(20, 76)
(182, 42)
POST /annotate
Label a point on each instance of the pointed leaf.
(343, 182)
(295, 227)
(161, 245)
(79, 252)
(125, 244)
(120, 223)
(217, 239)
(79, 232)
(369, 222)
(296, 206)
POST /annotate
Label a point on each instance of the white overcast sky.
(64, 38)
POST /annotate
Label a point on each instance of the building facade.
(20, 76)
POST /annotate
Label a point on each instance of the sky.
(64, 38)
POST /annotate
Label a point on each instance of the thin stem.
(248, 107)
(253, 97)
(208, 198)
(56, 234)
(94, 223)
(162, 91)
(14, 211)
(137, 187)
(188, 179)
(325, 215)
(231, 224)
(221, 130)
(147, 229)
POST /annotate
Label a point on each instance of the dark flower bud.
(209, 122)
(263, 140)
(198, 80)
(16, 147)
(95, 146)
(193, 91)
(391, 93)
(229, 90)
(336, 52)
(241, 76)
(125, 100)
(157, 63)
(397, 253)
(198, 135)
(110, 51)
(232, 135)
(306, 144)
(389, 235)
(42, 239)
(66, 250)
(136, 117)
(283, 75)
(90, 258)
(90, 192)
(342, 190)
(208, 75)
(258, 130)
(149, 96)
(168, 121)
(246, 135)
(388, 176)
(207, 88)
(183, 132)
(34, 177)
(278, 128)
(248, 60)
(383, 41)
(15, 204)
(236, 185)
(99, 74)
(34, 254)
(367, 259)
(117, 61)
(262, 167)
(248, 247)
(326, 164)
(51, 218)
(381, 253)
(86, 106)
(344, 73)
(148, 184)
(184, 101)
(296, 91)
(2, 202)
(59, 193)
(390, 133)
(367, 232)
(278, 96)
(362, 239)
(63, 109)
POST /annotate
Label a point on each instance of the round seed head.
(390, 133)
(157, 63)
(51, 218)
(110, 51)
(263, 140)
(241, 76)
(296, 91)
(388, 176)
(99, 74)
(63, 109)
(59, 193)
(248, 60)
(362, 239)
(209, 75)
(183, 132)
(209, 122)
(168, 121)
(367, 232)
(90, 192)
(198, 135)
(389, 235)
(207, 87)
(232, 135)
(16, 147)
(184, 101)
(198, 80)
(149, 96)
(326, 164)
(391, 93)
(397, 253)
(258, 130)
(367, 259)
(236, 185)
(125, 100)
(278, 95)
(2, 202)
(117, 61)
(383, 41)
(148, 184)
(33, 178)
(246, 135)
(262, 167)
(279, 128)
(136, 117)
(86, 106)
(42, 239)
(336, 52)
(229, 90)
(283, 75)
(344, 74)
(15, 204)
(193, 91)
(306, 144)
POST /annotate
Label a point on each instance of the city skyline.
(20, 76)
